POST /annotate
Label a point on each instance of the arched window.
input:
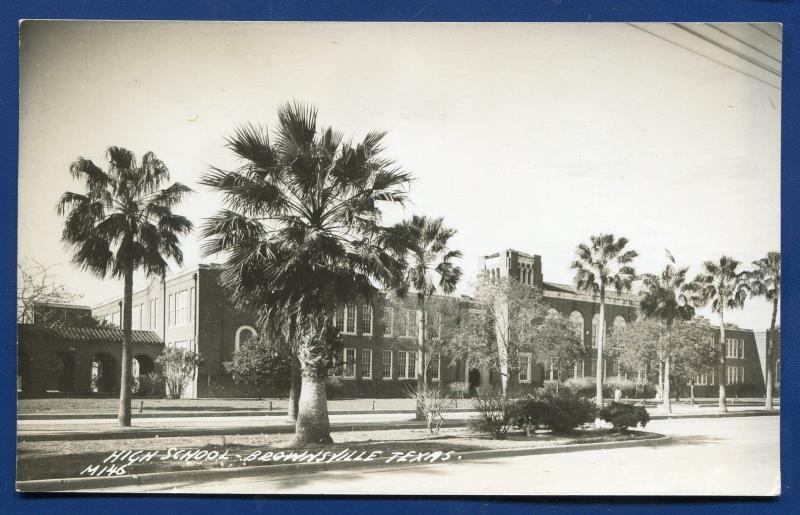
(619, 322)
(577, 320)
(595, 329)
(243, 334)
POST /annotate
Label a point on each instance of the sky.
(524, 136)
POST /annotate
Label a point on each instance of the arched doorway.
(104, 375)
(142, 365)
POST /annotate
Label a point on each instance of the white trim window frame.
(388, 321)
(153, 314)
(348, 363)
(436, 367)
(741, 349)
(525, 367)
(390, 354)
(366, 364)
(350, 319)
(366, 320)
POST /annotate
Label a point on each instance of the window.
(407, 365)
(594, 368)
(136, 317)
(577, 369)
(619, 323)
(192, 305)
(154, 314)
(182, 308)
(436, 367)
(387, 364)
(525, 367)
(741, 349)
(615, 368)
(388, 320)
(734, 375)
(407, 323)
(345, 319)
(577, 320)
(366, 363)
(701, 379)
(171, 309)
(734, 348)
(595, 330)
(349, 370)
(433, 326)
(366, 319)
(243, 334)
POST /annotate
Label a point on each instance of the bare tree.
(36, 285)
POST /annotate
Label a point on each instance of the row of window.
(577, 370)
(400, 322)
(349, 367)
(733, 375)
(181, 306)
(734, 348)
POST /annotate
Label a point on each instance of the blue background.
(429, 10)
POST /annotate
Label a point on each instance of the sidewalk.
(102, 429)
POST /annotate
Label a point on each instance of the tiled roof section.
(567, 288)
(83, 334)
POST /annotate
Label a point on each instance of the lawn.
(94, 405)
(57, 460)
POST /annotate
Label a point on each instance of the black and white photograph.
(415, 259)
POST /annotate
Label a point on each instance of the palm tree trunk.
(666, 401)
(770, 346)
(294, 388)
(601, 336)
(124, 414)
(422, 375)
(312, 424)
(723, 401)
(691, 392)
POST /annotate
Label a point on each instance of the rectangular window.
(154, 314)
(136, 317)
(337, 363)
(412, 365)
(402, 364)
(338, 319)
(741, 375)
(577, 369)
(388, 320)
(171, 310)
(349, 366)
(366, 363)
(387, 364)
(350, 319)
(594, 368)
(192, 304)
(615, 368)
(436, 367)
(741, 349)
(734, 375)
(182, 309)
(731, 347)
(366, 319)
(525, 367)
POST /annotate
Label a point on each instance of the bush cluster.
(586, 387)
(560, 412)
(496, 413)
(623, 416)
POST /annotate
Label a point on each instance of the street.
(705, 456)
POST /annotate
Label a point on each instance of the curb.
(119, 434)
(165, 478)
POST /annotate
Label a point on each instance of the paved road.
(726, 456)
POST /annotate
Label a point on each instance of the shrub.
(623, 416)
(178, 367)
(582, 386)
(458, 389)
(433, 401)
(560, 413)
(495, 413)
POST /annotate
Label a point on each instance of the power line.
(744, 43)
(729, 49)
(765, 32)
(695, 52)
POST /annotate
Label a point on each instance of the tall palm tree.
(725, 287)
(124, 222)
(302, 234)
(765, 281)
(601, 264)
(429, 264)
(666, 298)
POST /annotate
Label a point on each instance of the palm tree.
(603, 263)
(725, 287)
(302, 236)
(765, 281)
(123, 223)
(429, 263)
(666, 298)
